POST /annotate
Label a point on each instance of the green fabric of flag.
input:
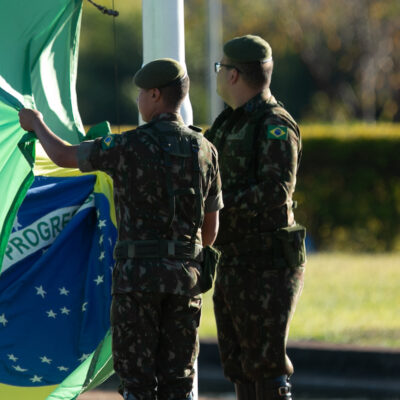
(16, 161)
(91, 373)
(39, 47)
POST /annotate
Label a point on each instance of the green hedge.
(348, 186)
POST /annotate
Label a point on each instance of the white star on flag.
(3, 319)
(83, 357)
(101, 239)
(61, 368)
(102, 223)
(45, 360)
(98, 214)
(36, 379)
(99, 279)
(102, 256)
(51, 314)
(65, 310)
(63, 291)
(19, 369)
(12, 357)
(84, 305)
(40, 291)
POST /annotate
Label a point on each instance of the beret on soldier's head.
(159, 73)
(248, 48)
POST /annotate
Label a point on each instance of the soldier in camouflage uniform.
(167, 192)
(260, 276)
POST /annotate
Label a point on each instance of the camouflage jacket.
(259, 149)
(135, 162)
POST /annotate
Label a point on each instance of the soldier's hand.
(29, 118)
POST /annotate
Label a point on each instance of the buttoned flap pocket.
(292, 242)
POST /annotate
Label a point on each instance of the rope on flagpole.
(114, 13)
(105, 10)
(116, 77)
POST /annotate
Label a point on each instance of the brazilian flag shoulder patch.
(107, 142)
(277, 132)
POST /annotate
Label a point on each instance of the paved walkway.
(337, 372)
(107, 395)
(103, 395)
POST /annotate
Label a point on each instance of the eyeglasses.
(218, 66)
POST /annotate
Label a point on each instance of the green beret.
(159, 73)
(248, 48)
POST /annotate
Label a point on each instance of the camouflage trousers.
(155, 343)
(253, 307)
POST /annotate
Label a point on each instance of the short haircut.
(256, 74)
(174, 93)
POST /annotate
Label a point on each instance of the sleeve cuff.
(84, 150)
(213, 203)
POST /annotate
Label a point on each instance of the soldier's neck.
(164, 110)
(244, 96)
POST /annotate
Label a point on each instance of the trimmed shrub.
(349, 187)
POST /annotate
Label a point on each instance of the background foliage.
(334, 60)
(348, 187)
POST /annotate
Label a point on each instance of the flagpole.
(214, 54)
(164, 36)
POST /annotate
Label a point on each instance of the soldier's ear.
(156, 94)
(234, 75)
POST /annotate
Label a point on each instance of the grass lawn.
(347, 299)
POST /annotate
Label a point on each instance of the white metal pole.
(214, 54)
(164, 36)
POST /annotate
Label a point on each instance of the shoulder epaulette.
(195, 128)
(278, 116)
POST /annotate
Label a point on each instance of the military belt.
(158, 249)
(285, 247)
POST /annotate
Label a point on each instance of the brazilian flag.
(57, 227)
(277, 132)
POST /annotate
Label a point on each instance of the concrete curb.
(321, 370)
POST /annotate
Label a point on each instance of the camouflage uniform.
(156, 300)
(257, 286)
